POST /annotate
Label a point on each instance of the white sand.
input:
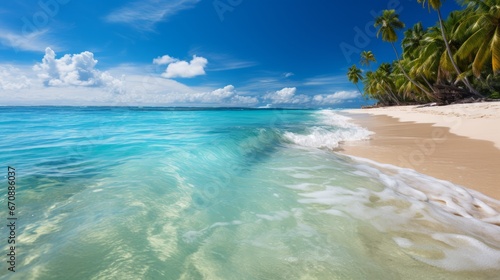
(477, 120)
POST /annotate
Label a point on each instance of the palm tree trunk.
(433, 96)
(395, 98)
(404, 72)
(450, 55)
(384, 98)
(356, 84)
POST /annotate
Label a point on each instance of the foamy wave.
(333, 129)
(451, 227)
(331, 118)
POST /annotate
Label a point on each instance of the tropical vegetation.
(457, 59)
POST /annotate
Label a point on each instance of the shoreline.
(456, 143)
(473, 120)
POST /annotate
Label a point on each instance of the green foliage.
(354, 76)
(459, 56)
(495, 95)
(367, 57)
(483, 25)
(388, 24)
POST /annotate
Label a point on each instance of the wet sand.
(431, 150)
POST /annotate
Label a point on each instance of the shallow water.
(134, 193)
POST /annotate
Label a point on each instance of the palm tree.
(372, 89)
(419, 49)
(436, 5)
(389, 22)
(368, 82)
(354, 76)
(484, 42)
(367, 57)
(433, 62)
(385, 81)
(412, 41)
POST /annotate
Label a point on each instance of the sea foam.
(431, 220)
(330, 130)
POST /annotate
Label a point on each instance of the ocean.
(180, 193)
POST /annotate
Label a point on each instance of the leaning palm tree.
(388, 23)
(413, 40)
(369, 85)
(484, 42)
(433, 62)
(436, 5)
(354, 76)
(367, 57)
(385, 81)
(372, 89)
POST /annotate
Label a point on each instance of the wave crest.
(331, 130)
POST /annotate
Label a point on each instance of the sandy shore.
(458, 143)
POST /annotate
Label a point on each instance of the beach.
(457, 143)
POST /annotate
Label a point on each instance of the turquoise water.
(150, 193)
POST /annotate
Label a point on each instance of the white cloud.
(282, 96)
(288, 74)
(145, 84)
(326, 80)
(35, 41)
(164, 60)
(232, 65)
(286, 96)
(13, 79)
(146, 13)
(22, 86)
(264, 83)
(74, 80)
(335, 98)
(224, 62)
(223, 93)
(244, 100)
(73, 70)
(222, 96)
(183, 69)
(176, 94)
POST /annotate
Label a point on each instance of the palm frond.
(495, 47)
(483, 55)
(471, 44)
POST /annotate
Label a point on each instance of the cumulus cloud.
(286, 96)
(138, 90)
(182, 69)
(176, 95)
(221, 96)
(85, 85)
(244, 100)
(13, 79)
(73, 70)
(338, 97)
(58, 82)
(164, 60)
(282, 96)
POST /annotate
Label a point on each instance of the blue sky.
(292, 53)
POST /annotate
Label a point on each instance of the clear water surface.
(151, 193)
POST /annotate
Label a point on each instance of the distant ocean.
(162, 193)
